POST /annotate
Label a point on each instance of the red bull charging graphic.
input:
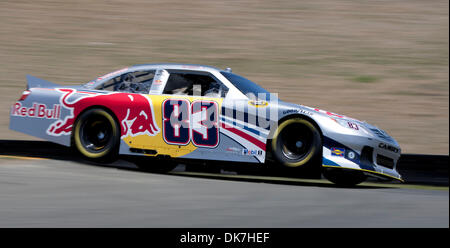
(133, 111)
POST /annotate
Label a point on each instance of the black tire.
(96, 136)
(297, 143)
(344, 177)
(154, 165)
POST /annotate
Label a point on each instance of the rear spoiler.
(34, 82)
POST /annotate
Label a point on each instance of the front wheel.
(96, 135)
(296, 143)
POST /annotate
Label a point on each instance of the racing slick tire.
(96, 135)
(297, 143)
(154, 165)
(344, 177)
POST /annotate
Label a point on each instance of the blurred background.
(385, 61)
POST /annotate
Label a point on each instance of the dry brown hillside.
(386, 62)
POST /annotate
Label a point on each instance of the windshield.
(250, 89)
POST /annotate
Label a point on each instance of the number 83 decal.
(197, 122)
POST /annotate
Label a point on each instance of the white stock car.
(183, 111)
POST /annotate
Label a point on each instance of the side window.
(132, 82)
(193, 84)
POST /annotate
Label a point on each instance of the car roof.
(155, 66)
(175, 66)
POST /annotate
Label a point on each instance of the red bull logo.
(133, 111)
(38, 110)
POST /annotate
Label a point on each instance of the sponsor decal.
(388, 147)
(295, 111)
(351, 155)
(258, 103)
(37, 110)
(340, 152)
(134, 112)
(252, 152)
(233, 149)
(159, 82)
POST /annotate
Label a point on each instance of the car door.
(186, 105)
(134, 109)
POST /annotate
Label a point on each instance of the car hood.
(285, 108)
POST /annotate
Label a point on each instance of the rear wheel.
(96, 135)
(344, 177)
(297, 144)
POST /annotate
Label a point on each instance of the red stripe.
(245, 136)
(77, 91)
(86, 92)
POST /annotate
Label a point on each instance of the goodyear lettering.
(293, 111)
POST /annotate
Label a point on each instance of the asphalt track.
(59, 191)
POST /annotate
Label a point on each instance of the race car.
(197, 112)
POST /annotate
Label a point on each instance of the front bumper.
(375, 157)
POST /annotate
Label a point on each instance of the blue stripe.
(245, 127)
(329, 162)
(227, 112)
